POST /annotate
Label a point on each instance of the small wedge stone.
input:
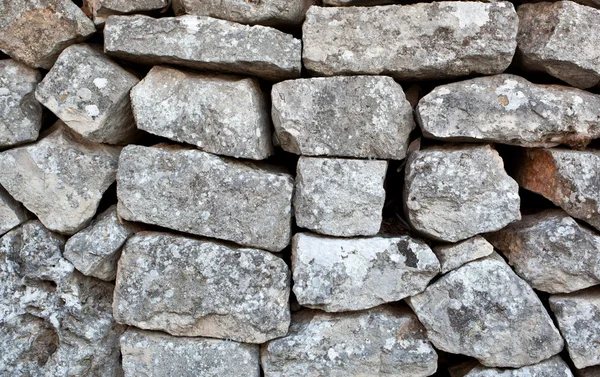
(12, 213)
(552, 367)
(101, 9)
(453, 256)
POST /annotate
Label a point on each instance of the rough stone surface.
(453, 256)
(90, 94)
(355, 116)
(20, 113)
(204, 43)
(588, 372)
(99, 10)
(59, 178)
(511, 110)
(578, 316)
(12, 213)
(226, 115)
(200, 193)
(562, 40)
(339, 197)
(484, 310)
(421, 41)
(35, 32)
(454, 192)
(155, 354)
(382, 341)
(337, 274)
(190, 287)
(552, 367)
(570, 179)
(96, 249)
(342, 3)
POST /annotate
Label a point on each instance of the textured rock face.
(90, 94)
(204, 43)
(454, 256)
(511, 110)
(339, 197)
(562, 40)
(12, 213)
(341, 3)
(420, 41)
(101, 9)
(35, 32)
(570, 179)
(225, 115)
(484, 310)
(189, 287)
(200, 193)
(155, 354)
(336, 275)
(588, 372)
(59, 178)
(20, 113)
(366, 343)
(355, 116)
(454, 192)
(552, 367)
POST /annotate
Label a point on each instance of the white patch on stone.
(92, 110)
(4, 91)
(467, 16)
(100, 82)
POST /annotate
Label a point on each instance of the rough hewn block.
(455, 255)
(99, 10)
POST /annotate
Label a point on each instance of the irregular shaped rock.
(12, 213)
(421, 41)
(336, 274)
(90, 93)
(484, 310)
(511, 110)
(200, 193)
(355, 116)
(339, 197)
(189, 287)
(20, 113)
(204, 43)
(35, 32)
(155, 354)
(552, 367)
(454, 192)
(562, 40)
(225, 115)
(453, 256)
(367, 343)
(99, 10)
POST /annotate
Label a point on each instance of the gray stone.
(595, 4)
(190, 287)
(345, 3)
(204, 43)
(12, 213)
(20, 113)
(341, 274)
(369, 343)
(354, 116)
(453, 256)
(339, 197)
(511, 110)
(484, 310)
(99, 10)
(155, 354)
(200, 193)
(225, 115)
(90, 93)
(552, 367)
(96, 249)
(454, 192)
(59, 178)
(561, 39)
(417, 42)
(35, 32)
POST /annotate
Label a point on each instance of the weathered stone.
(369, 343)
(99, 10)
(59, 178)
(190, 287)
(96, 249)
(339, 197)
(337, 274)
(561, 39)
(570, 179)
(20, 113)
(12, 212)
(484, 310)
(90, 94)
(421, 41)
(204, 43)
(225, 115)
(588, 372)
(453, 256)
(552, 367)
(454, 192)
(355, 116)
(155, 354)
(511, 110)
(200, 193)
(35, 32)
(595, 4)
(578, 316)
(343, 3)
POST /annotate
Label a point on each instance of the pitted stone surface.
(12, 213)
(455, 255)
(99, 10)
(552, 367)
(355, 116)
